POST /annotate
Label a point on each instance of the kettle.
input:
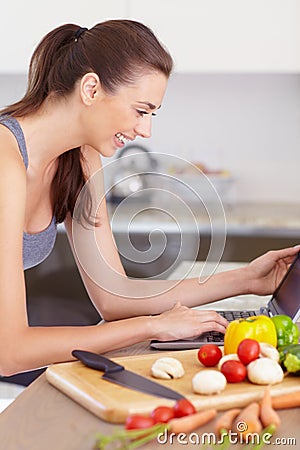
(131, 174)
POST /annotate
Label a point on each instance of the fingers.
(208, 315)
(203, 315)
(211, 321)
(285, 257)
(284, 253)
(192, 322)
(205, 327)
(206, 320)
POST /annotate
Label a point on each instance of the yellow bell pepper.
(261, 328)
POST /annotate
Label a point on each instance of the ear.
(90, 87)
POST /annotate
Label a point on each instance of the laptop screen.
(286, 298)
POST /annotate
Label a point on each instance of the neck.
(52, 130)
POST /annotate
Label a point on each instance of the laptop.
(285, 300)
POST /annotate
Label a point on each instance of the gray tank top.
(36, 247)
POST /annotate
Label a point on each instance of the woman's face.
(117, 119)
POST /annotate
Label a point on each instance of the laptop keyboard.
(216, 336)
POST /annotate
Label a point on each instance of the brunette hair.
(118, 51)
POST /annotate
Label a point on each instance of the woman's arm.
(23, 347)
(117, 297)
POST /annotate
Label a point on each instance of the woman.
(89, 92)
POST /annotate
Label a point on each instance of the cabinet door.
(23, 24)
(226, 35)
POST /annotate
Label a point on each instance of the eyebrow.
(150, 105)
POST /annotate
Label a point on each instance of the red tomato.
(248, 350)
(209, 355)
(138, 422)
(163, 414)
(183, 407)
(234, 371)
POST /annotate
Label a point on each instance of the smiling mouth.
(122, 139)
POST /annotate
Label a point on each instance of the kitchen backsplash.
(247, 124)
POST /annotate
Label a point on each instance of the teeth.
(122, 138)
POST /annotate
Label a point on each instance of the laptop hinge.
(266, 311)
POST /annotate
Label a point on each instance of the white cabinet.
(24, 23)
(226, 35)
(202, 35)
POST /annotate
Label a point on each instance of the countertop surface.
(43, 418)
(274, 219)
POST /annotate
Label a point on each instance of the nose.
(143, 127)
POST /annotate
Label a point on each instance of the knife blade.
(118, 374)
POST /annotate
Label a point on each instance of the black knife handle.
(98, 362)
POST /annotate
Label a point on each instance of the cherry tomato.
(248, 350)
(234, 371)
(163, 414)
(209, 355)
(138, 422)
(183, 407)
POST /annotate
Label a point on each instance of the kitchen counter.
(278, 219)
(244, 230)
(185, 233)
(44, 418)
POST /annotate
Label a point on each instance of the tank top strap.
(13, 125)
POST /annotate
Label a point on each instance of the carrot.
(268, 415)
(284, 401)
(247, 422)
(189, 423)
(132, 439)
(224, 422)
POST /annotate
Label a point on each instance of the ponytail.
(47, 57)
(44, 80)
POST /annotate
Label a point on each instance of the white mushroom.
(167, 368)
(230, 356)
(264, 371)
(269, 351)
(208, 382)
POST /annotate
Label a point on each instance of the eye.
(143, 113)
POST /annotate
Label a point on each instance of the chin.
(106, 150)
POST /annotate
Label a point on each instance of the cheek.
(113, 121)
(119, 117)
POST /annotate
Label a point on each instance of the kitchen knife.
(118, 374)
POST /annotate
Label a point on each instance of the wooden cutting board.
(114, 403)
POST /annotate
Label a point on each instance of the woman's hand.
(266, 272)
(181, 322)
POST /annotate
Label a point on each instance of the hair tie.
(79, 32)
